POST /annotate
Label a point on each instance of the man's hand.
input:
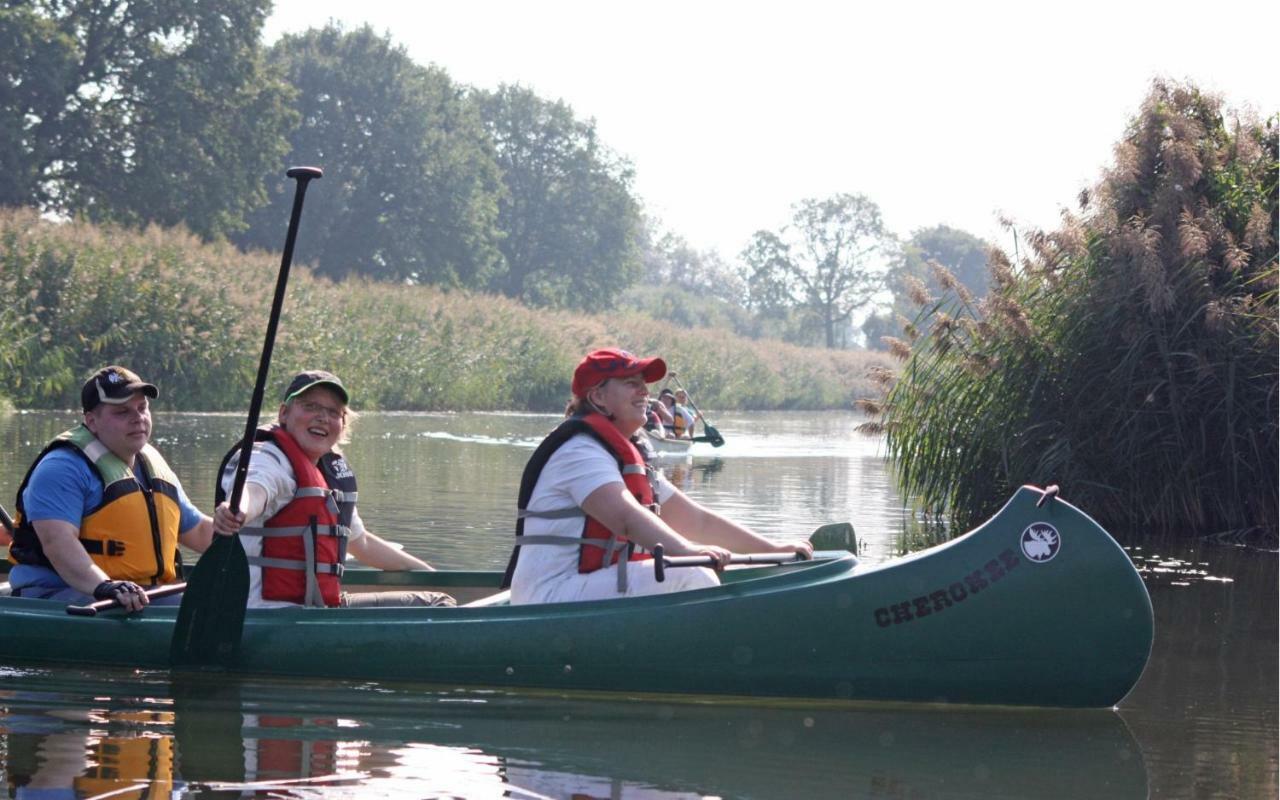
(128, 594)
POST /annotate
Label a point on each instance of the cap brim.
(653, 369)
(336, 387)
(133, 388)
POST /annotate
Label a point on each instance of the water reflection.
(204, 735)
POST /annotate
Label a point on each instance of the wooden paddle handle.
(92, 609)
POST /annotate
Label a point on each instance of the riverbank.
(191, 316)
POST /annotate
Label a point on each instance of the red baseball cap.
(610, 362)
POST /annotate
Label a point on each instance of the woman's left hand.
(802, 549)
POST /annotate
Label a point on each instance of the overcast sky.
(940, 112)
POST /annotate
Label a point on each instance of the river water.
(1202, 722)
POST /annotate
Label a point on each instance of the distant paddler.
(590, 508)
(100, 513)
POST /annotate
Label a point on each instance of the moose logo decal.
(1040, 542)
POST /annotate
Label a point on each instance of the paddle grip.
(303, 175)
(659, 564)
(92, 609)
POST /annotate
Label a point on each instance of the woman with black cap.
(589, 506)
(300, 496)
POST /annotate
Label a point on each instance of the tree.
(138, 112)
(571, 228)
(669, 258)
(937, 258)
(828, 262)
(410, 188)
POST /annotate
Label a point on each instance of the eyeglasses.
(312, 407)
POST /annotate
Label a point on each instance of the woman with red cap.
(590, 507)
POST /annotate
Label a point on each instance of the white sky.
(940, 112)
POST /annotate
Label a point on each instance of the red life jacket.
(305, 543)
(287, 755)
(598, 546)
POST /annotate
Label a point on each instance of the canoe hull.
(976, 620)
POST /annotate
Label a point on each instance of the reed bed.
(1130, 356)
(191, 317)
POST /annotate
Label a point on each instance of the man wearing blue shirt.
(100, 513)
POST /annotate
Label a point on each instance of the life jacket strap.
(98, 547)
(557, 513)
(609, 546)
(287, 563)
(340, 531)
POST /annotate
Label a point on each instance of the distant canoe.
(1038, 606)
(671, 447)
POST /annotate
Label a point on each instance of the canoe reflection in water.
(224, 736)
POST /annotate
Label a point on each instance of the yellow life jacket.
(678, 419)
(116, 764)
(133, 533)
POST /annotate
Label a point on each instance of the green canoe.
(1038, 606)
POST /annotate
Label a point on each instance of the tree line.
(176, 113)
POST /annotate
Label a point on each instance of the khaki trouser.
(385, 599)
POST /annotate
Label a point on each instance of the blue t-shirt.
(65, 487)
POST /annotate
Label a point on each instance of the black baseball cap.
(114, 385)
(312, 378)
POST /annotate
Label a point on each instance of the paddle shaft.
(662, 562)
(92, 609)
(210, 621)
(304, 175)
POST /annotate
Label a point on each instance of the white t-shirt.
(549, 573)
(269, 469)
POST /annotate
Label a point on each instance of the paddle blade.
(211, 617)
(713, 435)
(835, 536)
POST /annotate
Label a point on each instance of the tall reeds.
(191, 317)
(1130, 356)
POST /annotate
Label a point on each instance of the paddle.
(834, 536)
(92, 609)
(710, 434)
(211, 617)
(662, 563)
